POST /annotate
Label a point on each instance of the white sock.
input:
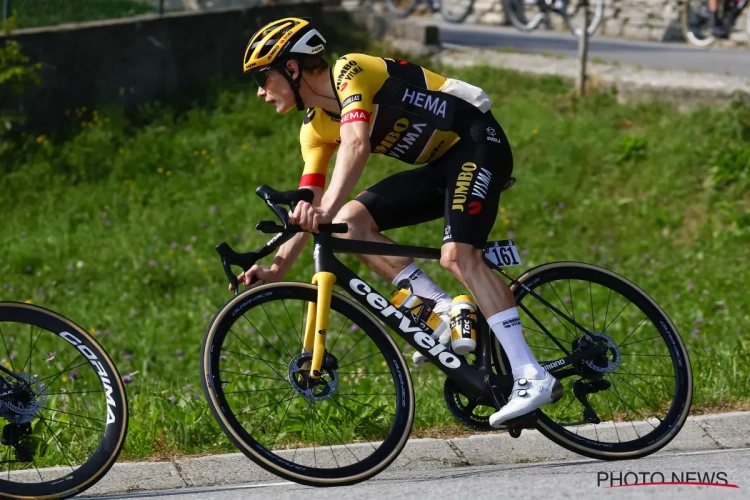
(507, 328)
(423, 286)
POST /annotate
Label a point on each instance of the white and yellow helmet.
(279, 40)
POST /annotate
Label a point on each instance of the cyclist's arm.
(350, 161)
(316, 153)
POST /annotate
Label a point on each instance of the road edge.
(700, 433)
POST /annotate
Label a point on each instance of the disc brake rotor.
(28, 399)
(311, 389)
(610, 360)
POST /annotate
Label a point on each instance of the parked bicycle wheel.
(64, 405)
(344, 428)
(574, 16)
(697, 23)
(401, 8)
(525, 15)
(456, 11)
(632, 401)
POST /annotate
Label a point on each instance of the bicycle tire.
(458, 17)
(402, 12)
(106, 454)
(267, 459)
(593, 24)
(686, 16)
(680, 407)
(518, 17)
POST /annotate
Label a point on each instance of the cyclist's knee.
(460, 259)
(359, 220)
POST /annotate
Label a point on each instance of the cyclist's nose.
(261, 92)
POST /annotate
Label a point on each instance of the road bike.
(64, 404)
(697, 20)
(453, 11)
(307, 383)
(528, 15)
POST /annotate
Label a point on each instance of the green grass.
(115, 228)
(36, 13)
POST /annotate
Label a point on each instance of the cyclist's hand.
(264, 274)
(309, 217)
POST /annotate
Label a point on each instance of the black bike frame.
(476, 381)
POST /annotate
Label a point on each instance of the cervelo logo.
(351, 99)
(425, 101)
(386, 309)
(99, 371)
(357, 115)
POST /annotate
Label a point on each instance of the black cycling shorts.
(463, 186)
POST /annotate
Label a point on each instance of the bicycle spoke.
(631, 333)
(323, 428)
(253, 357)
(275, 330)
(352, 348)
(615, 318)
(263, 337)
(74, 414)
(7, 350)
(360, 359)
(591, 296)
(671, 396)
(299, 337)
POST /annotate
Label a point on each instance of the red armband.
(308, 180)
(356, 115)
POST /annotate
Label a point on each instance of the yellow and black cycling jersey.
(414, 115)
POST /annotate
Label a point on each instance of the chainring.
(463, 413)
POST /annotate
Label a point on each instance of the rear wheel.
(632, 400)
(63, 404)
(341, 429)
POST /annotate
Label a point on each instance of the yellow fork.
(317, 321)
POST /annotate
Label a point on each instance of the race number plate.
(502, 253)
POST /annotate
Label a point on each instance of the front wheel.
(630, 401)
(343, 428)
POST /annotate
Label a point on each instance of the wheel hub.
(610, 360)
(309, 388)
(24, 400)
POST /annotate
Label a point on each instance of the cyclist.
(720, 29)
(366, 105)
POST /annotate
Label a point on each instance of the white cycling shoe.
(528, 395)
(420, 359)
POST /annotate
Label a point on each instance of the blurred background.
(131, 145)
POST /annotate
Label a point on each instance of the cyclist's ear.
(292, 68)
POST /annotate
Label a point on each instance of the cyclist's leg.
(404, 199)
(477, 172)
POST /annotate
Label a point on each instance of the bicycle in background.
(697, 20)
(63, 403)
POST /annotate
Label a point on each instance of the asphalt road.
(668, 56)
(572, 479)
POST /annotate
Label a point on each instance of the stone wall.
(126, 62)
(656, 20)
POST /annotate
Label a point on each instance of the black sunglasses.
(260, 76)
